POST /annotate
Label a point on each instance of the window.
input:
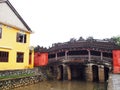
(30, 57)
(0, 32)
(4, 56)
(21, 38)
(20, 56)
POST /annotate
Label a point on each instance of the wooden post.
(89, 55)
(55, 56)
(101, 56)
(66, 55)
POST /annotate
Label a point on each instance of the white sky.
(59, 20)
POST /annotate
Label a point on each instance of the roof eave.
(29, 31)
(2, 1)
(17, 14)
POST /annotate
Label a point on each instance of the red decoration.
(40, 59)
(116, 61)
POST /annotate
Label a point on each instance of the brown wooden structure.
(77, 56)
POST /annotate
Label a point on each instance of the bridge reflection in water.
(65, 85)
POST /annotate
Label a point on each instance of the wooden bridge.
(83, 60)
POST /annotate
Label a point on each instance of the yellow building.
(14, 39)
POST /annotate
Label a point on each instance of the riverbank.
(10, 80)
(19, 82)
(19, 78)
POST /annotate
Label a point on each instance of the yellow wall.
(8, 43)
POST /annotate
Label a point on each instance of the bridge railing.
(84, 58)
(77, 57)
(97, 59)
(56, 59)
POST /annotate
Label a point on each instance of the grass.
(16, 76)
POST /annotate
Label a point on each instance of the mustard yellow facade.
(8, 43)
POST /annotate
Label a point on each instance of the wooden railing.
(84, 58)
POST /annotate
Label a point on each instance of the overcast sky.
(55, 21)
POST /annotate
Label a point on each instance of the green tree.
(40, 49)
(116, 39)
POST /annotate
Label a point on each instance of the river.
(64, 85)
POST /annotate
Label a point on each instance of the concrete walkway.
(114, 82)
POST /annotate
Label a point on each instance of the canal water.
(65, 85)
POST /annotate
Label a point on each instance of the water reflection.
(64, 85)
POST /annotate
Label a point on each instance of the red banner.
(43, 59)
(40, 59)
(116, 61)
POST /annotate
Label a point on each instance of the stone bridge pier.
(97, 73)
(89, 72)
(63, 72)
(70, 72)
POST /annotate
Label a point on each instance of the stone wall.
(36, 75)
(18, 82)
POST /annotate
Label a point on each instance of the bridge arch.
(95, 71)
(71, 72)
(52, 69)
(77, 72)
(106, 73)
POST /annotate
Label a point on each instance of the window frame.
(20, 57)
(0, 32)
(4, 56)
(21, 38)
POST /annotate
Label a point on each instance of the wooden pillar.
(69, 72)
(101, 56)
(55, 56)
(89, 55)
(89, 73)
(101, 73)
(66, 56)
